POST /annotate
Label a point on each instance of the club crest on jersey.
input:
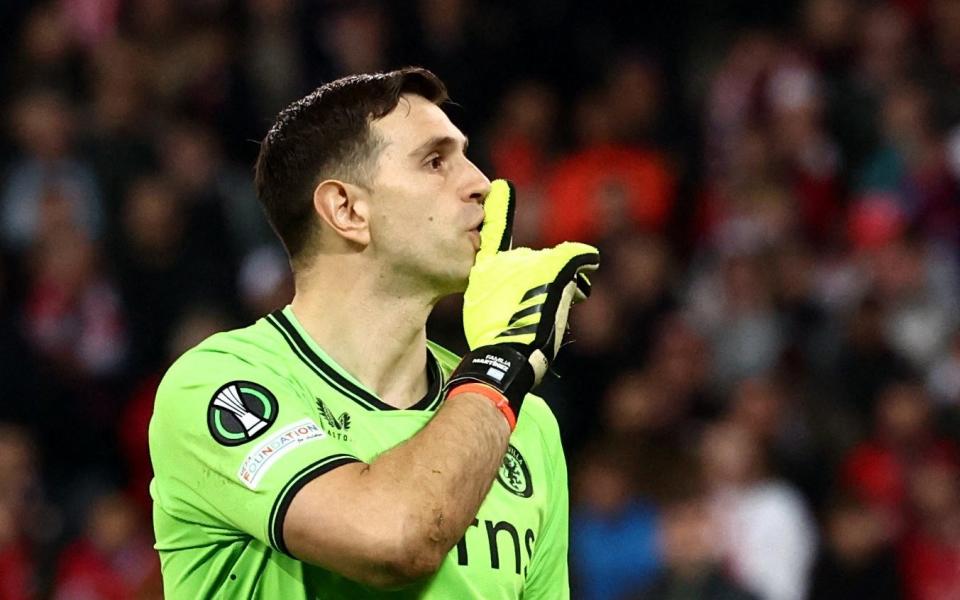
(241, 411)
(514, 473)
(337, 427)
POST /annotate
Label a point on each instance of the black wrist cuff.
(502, 367)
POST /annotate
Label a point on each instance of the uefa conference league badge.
(241, 411)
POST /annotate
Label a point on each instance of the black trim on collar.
(434, 385)
(351, 390)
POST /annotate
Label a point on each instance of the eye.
(435, 163)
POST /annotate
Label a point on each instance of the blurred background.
(763, 400)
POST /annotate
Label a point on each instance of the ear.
(344, 208)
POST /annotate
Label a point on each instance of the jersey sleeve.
(549, 577)
(232, 441)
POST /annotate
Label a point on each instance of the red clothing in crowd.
(86, 572)
(603, 188)
(931, 568)
(878, 473)
(17, 571)
(518, 159)
(133, 436)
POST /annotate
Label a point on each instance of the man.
(331, 451)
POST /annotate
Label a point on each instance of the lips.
(474, 231)
(477, 224)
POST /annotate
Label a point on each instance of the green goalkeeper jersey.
(248, 417)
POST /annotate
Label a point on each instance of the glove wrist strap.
(500, 366)
(498, 399)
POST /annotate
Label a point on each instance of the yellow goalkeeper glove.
(517, 302)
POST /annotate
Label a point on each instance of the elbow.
(408, 570)
(413, 559)
(380, 555)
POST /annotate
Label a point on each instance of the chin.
(451, 274)
(452, 282)
(456, 285)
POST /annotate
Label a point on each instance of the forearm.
(393, 521)
(438, 478)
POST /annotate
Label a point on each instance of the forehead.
(412, 122)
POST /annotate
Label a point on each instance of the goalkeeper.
(330, 450)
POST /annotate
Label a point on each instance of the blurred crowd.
(763, 397)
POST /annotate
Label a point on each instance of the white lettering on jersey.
(261, 458)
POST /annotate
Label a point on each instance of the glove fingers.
(498, 210)
(583, 288)
(530, 286)
(561, 294)
(567, 299)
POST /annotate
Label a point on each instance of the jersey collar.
(303, 346)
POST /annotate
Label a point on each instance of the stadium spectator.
(48, 185)
(767, 536)
(272, 61)
(27, 522)
(117, 138)
(222, 214)
(163, 269)
(614, 532)
(48, 53)
(878, 470)
(733, 306)
(113, 560)
(681, 361)
(192, 326)
(916, 283)
(693, 568)
(607, 188)
(522, 146)
(610, 183)
(866, 363)
(17, 563)
(806, 322)
(763, 407)
(265, 281)
(856, 558)
(930, 553)
(73, 314)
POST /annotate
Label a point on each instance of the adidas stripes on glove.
(517, 302)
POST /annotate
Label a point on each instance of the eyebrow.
(437, 142)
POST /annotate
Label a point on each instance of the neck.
(376, 333)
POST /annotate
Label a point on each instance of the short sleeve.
(232, 442)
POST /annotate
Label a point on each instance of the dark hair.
(327, 135)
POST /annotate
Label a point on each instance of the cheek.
(412, 235)
(434, 223)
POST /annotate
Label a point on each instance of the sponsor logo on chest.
(336, 426)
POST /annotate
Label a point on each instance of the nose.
(477, 184)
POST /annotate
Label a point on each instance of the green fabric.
(218, 507)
